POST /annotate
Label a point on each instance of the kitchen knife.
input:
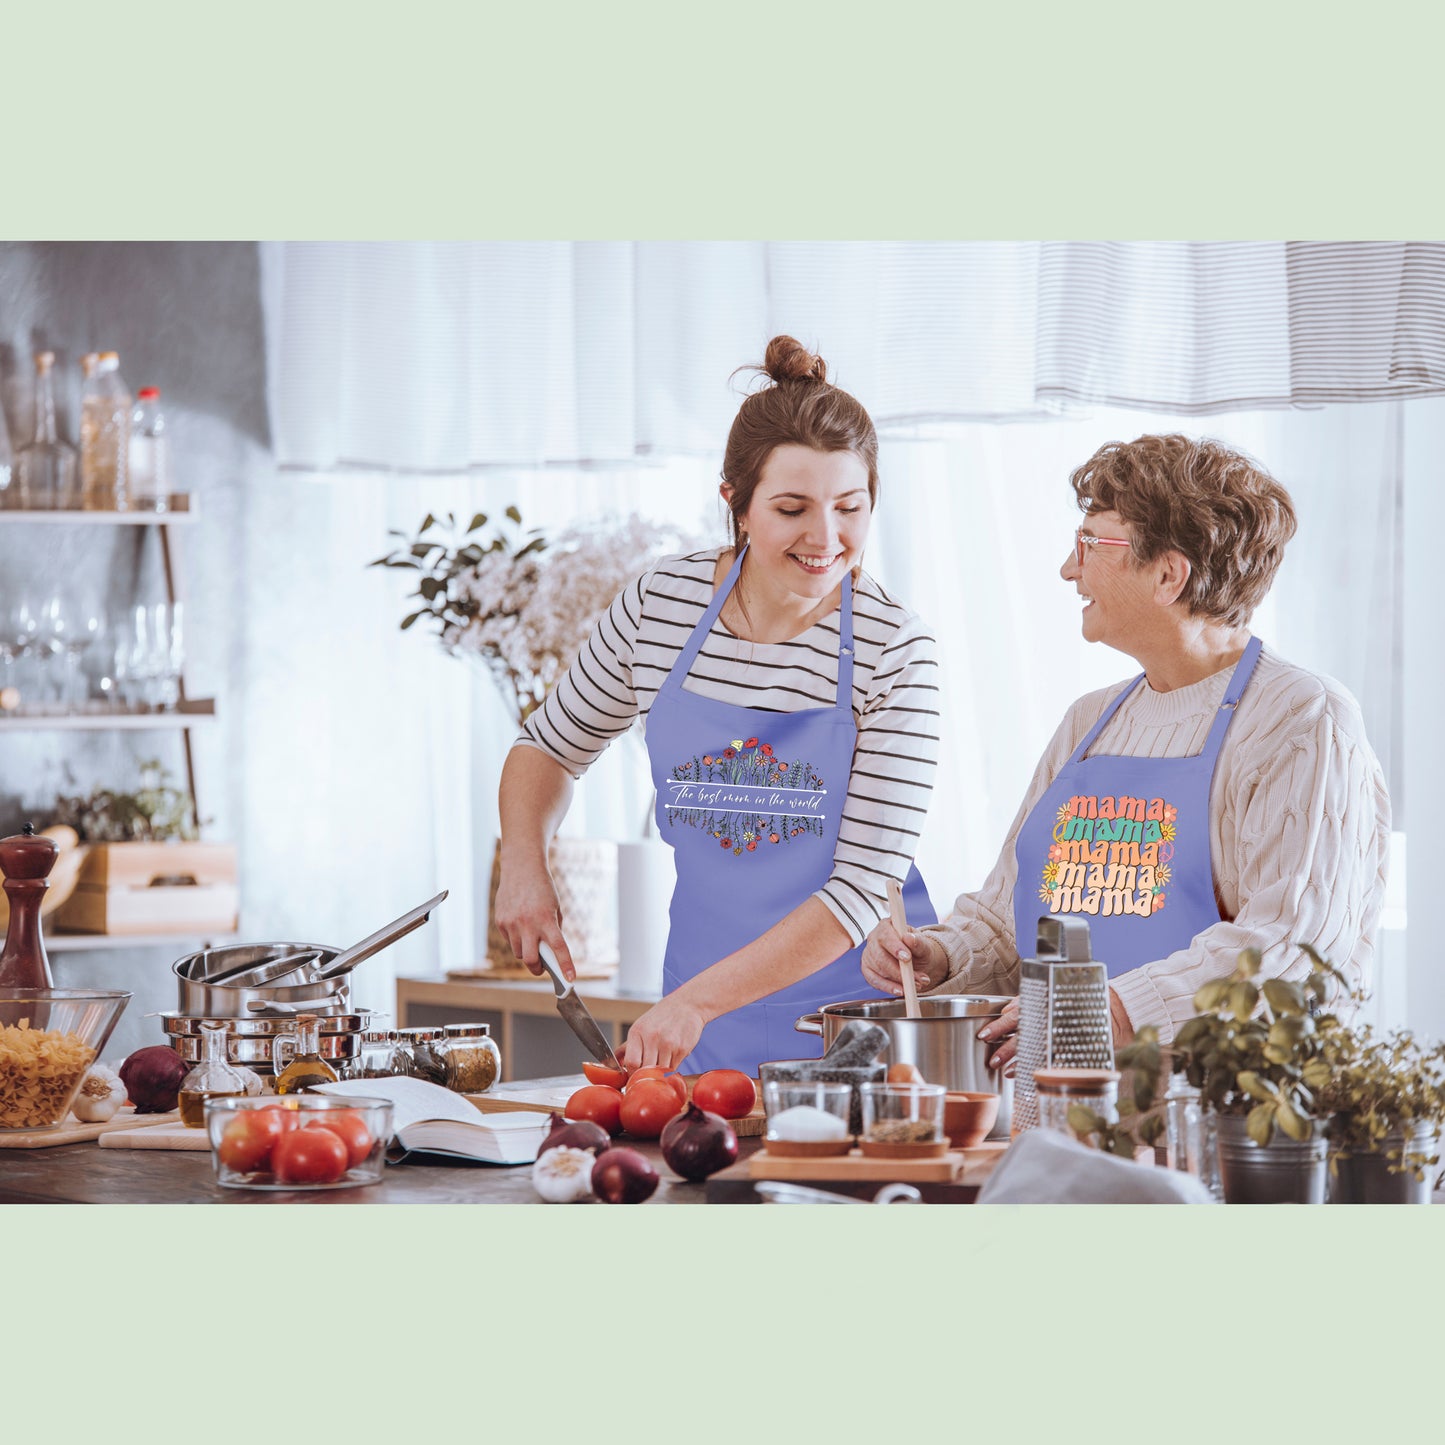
(574, 1011)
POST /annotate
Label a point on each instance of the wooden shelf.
(182, 513)
(86, 942)
(193, 712)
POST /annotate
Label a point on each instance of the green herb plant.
(1382, 1090)
(158, 812)
(1269, 1063)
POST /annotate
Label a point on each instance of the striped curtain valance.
(447, 357)
(1199, 327)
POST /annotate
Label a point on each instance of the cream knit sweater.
(1299, 831)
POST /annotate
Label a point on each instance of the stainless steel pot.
(249, 1040)
(942, 1044)
(199, 997)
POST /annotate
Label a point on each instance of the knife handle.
(548, 960)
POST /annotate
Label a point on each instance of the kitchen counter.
(87, 1174)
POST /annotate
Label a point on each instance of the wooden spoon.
(899, 919)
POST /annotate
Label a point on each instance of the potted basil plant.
(1385, 1103)
(1260, 1070)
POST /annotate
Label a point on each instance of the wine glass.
(80, 636)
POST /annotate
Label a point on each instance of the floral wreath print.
(1168, 831)
(747, 763)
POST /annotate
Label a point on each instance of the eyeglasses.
(1086, 540)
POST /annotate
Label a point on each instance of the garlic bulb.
(563, 1175)
(100, 1096)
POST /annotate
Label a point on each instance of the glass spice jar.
(377, 1056)
(1059, 1090)
(416, 1053)
(471, 1060)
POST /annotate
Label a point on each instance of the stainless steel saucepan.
(201, 996)
(942, 1043)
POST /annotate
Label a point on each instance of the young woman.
(790, 710)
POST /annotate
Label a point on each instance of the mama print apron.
(751, 803)
(1123, 843)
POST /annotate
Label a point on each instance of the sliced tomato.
(601, 1074)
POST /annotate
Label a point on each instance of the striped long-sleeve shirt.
(895, 703)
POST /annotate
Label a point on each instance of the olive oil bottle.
(212, 1078)
(305, 1068)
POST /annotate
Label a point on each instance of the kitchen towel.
(1042, 1167)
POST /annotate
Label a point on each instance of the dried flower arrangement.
(523, 602)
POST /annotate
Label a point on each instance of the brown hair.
(1216, 507)
(801, 409)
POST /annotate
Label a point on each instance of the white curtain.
(456, 356)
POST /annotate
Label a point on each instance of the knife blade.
(574, 1011)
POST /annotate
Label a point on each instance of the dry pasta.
(39, 1071)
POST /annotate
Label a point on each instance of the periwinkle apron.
(1123, 843)
(751, 803)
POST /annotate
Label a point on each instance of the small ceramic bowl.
(967, 1118)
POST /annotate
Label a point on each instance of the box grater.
(1063, 1012)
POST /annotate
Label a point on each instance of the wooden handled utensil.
(899, 919)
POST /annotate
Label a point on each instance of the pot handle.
(809, 1024)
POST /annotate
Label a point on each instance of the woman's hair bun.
(789, 360)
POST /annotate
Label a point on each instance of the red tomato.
(251, 1136)
(609, 1078)
(726, 1092)
(654, 1074)
(309, 1156)
(649, 1105)
(599, 1104)
(350, 1128)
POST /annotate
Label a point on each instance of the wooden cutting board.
(74, 1132)
(960, 1166)
(552, 1095)
(171, 1135)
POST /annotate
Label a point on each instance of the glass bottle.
(471, 1060)
(212, 1078)
(305, 1067)
(7, 466)
(149, 479)
(46, 473)
(105, 437)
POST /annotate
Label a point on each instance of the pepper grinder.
(26, 861)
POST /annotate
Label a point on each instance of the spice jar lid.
(468, 1031)
(1074, 1081)
(379, 1036)
(423, 1034)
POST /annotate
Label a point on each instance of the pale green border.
(661, 119)
(664, 120)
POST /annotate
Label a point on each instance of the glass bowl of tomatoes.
(299, 1141)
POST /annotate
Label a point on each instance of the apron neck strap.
(690, 649)
(693, 645)
(1239, 680)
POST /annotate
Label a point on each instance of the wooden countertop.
(87, 1174)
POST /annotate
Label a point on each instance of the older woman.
(1224, 797)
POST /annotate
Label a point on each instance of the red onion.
(152, 1078)
(696, 1143)
(623, 1176)
(581, 1134)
